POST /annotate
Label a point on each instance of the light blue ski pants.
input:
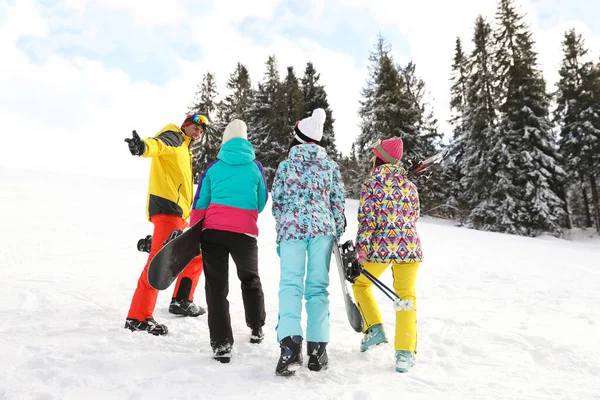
(292, 287)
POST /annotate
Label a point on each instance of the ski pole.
(399, 303)
(386, 290)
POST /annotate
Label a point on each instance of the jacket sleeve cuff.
(195, 216)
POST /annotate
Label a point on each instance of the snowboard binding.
(145, 244)
(352, 268)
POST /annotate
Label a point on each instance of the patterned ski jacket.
(232, 191)
(308, 195)
(387, 215)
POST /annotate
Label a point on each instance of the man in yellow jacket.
(170, 195)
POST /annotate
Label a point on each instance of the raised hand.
(136, 145)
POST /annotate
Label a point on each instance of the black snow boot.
(291, 355)
(222, 352)
(149, 325)
(185, 308)
(257, 335)
(317, 356)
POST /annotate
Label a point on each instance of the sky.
(78, 76)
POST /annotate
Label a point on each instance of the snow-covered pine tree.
(577, 114)
(371, 131)
(293, 100)
(594, 160)
(270, 134)
(395, 104)
(205, 150)
(315, 96)
(422, 138)
(531, 204)
(237, 103)
(483, 180)
(424, 141)
(455, 198)
(351, 174)
(386, 109)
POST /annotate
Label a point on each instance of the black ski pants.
(217, 245)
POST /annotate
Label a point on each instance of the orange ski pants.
(144, 298)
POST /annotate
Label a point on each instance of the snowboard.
(354, 317)
(173, 257)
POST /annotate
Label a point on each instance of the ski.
(429, 162)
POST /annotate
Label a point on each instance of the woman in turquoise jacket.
(230, 195)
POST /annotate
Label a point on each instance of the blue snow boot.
(405, 360)
(374, 336)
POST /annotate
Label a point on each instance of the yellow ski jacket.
(170, 189)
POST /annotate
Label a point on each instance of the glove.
(136, 146)
(361, 257)
(176, 233)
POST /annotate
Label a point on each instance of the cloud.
(83, 74)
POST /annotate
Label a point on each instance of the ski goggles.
(196, 119)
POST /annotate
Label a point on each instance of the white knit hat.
(235, 129)
(310, 129)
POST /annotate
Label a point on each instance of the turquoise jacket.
(232, 191)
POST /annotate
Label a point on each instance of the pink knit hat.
(390, 150)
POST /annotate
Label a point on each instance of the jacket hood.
(389, 172)
(236, 151)
(308, 152)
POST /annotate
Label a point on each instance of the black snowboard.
(168, 263)
(352, 312)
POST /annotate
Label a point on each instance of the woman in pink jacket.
(387, 235)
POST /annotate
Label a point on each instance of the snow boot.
(149, 325)
(373, 336)
(185, 308)
(257, 335)
(317, 356)
(405, 360)
(291, 355)
(222, 352)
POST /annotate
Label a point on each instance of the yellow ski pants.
(405, 276)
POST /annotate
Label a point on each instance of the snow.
(500, 316)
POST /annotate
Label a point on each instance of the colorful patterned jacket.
(387, 216)
(308, 195)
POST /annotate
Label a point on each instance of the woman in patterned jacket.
(308, 206)
(387, 234)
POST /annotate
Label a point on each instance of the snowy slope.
(500, 317)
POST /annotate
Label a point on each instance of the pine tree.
(483, 179)
(270, 133)
(351, 174)
(370, 126)
(455, 198)
(395, 104)
(531, 204)
(387, 108)
(315, 96)
(421, 136)
(237, 103)
(424, 141)
(577, 113)
(205, 150)
(293, 100)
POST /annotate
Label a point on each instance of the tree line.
(523, 159)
